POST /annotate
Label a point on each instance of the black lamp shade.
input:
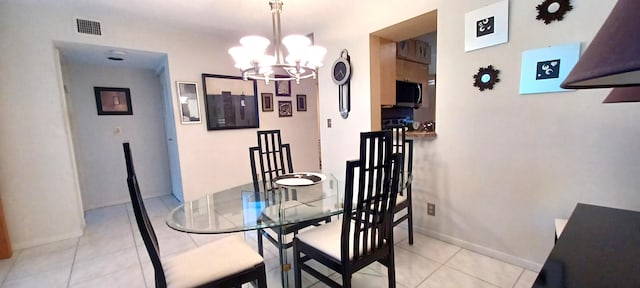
(613, 57)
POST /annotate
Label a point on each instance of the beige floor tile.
(486, 268)
(32, 264)
(526, 279)
(433, 249)
(447, 277)
(103, 265)
(130, 276)
(56, 278)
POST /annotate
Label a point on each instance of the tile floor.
(111, 254)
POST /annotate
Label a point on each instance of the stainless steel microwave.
(408, 94)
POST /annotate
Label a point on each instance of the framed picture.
(423, 52)
(267, 102)
(486, 26)
(113, 101)
(285, 109)
(283, 88)
(402, 48)
(301, 102)
(189, 104)
(544, 69)
(230, 102)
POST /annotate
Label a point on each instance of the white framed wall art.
(486, 26)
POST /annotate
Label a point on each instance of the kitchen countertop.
(416, 134)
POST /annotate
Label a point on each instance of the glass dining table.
(242, 208)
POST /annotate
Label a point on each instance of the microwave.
(408, 94)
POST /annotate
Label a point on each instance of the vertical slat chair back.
(274, 158)
(368, 221)
(142, 219)
(400, 146)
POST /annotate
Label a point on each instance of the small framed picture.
(113, 101)
(283, 88)
(189, 103)
(267, 102)
(285, 109)
(301, 102)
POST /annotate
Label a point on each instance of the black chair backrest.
(142, 218)
(404, 147)
(273, 157)
(372, 217)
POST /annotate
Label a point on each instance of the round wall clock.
(341, 74)
(553, 10)
(486, 78)
(341, 71)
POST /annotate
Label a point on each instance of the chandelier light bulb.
(315, 54)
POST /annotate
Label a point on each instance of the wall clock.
(553, 10)
(341, 74)
(486, 78)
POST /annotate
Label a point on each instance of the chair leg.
(391, 268)
(262, 277)
(259, 236)
(297, 269)
(410, 223)
(346, 279)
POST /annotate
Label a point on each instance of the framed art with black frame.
(113, 101)
(285, 109)
(301, 102)
(267, 102)
(230, 102)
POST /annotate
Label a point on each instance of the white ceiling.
(232, 18)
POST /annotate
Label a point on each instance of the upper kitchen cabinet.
(383, 70)
(412, 71)
(414, 50)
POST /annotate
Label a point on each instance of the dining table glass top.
(242, 208)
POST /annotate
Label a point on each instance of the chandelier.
(302, 61)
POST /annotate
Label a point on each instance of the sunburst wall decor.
(486, 78)
(553, 10)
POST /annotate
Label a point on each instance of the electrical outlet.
(431, 209)
(329, 123)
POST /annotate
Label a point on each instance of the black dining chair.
(365, 233)
(229, 262)
(404, 147)
(270, 159)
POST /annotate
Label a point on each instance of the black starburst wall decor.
(553, 10)
(486, 78)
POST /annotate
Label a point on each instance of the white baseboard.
(527, 264)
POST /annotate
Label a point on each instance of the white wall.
(38, 178)
(503, 165)
(98, 145)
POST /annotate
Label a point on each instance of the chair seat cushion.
(327, 237)
(400, 199)
(210, 262)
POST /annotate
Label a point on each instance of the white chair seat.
(327, 237)
(400, 199)
(210, 262)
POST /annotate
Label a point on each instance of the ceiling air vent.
(88, 27)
